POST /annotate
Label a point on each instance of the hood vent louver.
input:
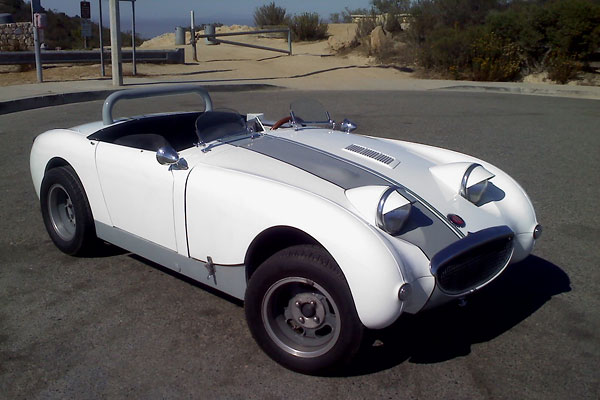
(372, 154)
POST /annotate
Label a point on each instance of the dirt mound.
(235, 28)
(164, 41)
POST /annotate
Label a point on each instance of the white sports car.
(321, 232)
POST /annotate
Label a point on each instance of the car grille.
(473, 261)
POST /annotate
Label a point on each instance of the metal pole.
(101, 41)
(193, 35)
(290, 42)
(36, 46)
(133, 36)
(115, 43)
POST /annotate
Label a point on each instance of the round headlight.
(393, 211)
(475, 192)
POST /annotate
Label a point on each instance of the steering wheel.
(281, 122)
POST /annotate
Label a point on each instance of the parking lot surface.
(117, 326)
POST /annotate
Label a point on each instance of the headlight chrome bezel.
(400, 214)
(476, 191)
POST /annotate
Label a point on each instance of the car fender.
(64, 146)
(226, 210)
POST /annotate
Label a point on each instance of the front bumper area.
(470, 263)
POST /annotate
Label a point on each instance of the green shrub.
(562, 68)
(391, 9)
(392, 23)
(348, 13)
(494, 58)
(270, 14)
(308, 26)
(574, 28)
(471, 53)
(524, 25)
(365, 26)
(448, 50)
(391, 6)
(495, 39)
(569, 28)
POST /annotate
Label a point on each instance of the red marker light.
(456, 220)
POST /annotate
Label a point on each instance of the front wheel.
(300, 311)
(66, 211)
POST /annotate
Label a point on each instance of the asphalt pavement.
(116, 326)
(47, 94)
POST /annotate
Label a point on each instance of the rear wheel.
(66, 211)
(300, 311)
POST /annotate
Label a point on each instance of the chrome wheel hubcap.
(61, 212)
(301, 317)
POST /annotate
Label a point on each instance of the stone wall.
(16, 37)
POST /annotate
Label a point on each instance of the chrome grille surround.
(472, 262)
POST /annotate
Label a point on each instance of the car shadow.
(188, 280)
(103, 249)
(449, 331)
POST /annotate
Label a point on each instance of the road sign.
(86, 28)
(85, 10)
(40, 20)
(37, 7)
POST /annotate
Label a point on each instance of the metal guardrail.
(212, 38)
(91, 56)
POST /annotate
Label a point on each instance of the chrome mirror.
(167, 155)
(348, 126)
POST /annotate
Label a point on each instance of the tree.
(270, 14)
(392, 6)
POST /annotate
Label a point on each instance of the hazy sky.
(157, 16)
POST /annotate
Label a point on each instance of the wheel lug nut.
(301, 320)
(298, 304)
(312, 303)
(316, 319)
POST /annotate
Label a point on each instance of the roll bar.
(141, 93)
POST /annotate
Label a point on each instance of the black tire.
(66, 212)
(300, 311)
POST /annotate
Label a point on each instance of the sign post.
(134, 70)
(193, 34)
(101, 39)
(86, 24)
(36, 7)
(115, 43)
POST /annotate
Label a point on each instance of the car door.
(138, 192)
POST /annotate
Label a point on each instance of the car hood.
(430, 175)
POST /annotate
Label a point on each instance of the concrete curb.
(50, 100)
(55, 98)
(58, 99)
(523, 90)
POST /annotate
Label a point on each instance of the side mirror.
(166, 155)
(348, 126)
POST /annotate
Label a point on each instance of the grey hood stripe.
(426, 229)
(337, 171)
